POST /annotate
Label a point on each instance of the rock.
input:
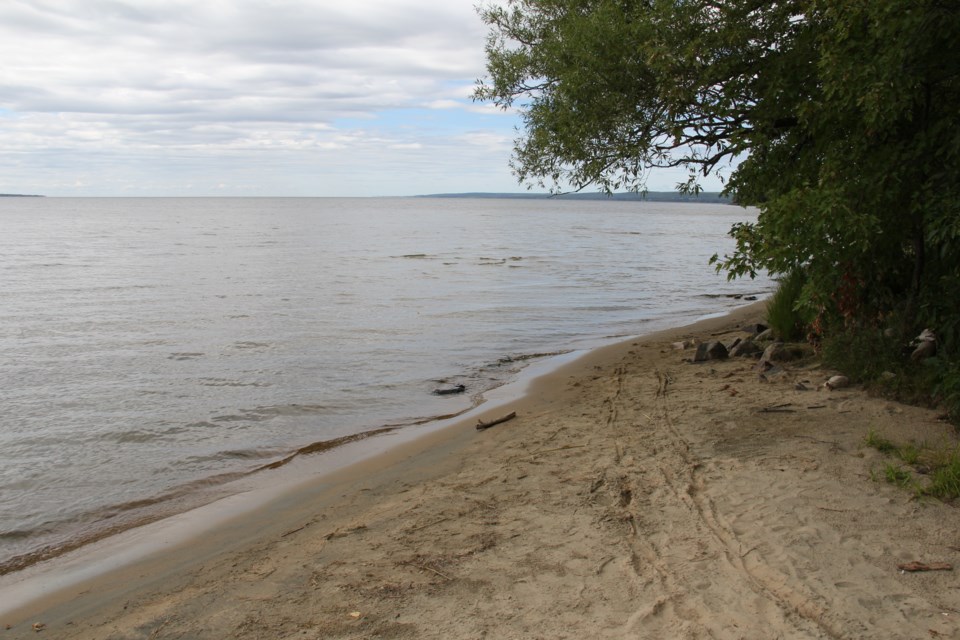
(773, 353)
(765, 335)
(685, 344)
(755, 329)
(888, 375)
(926, 346)
(923, 351)
(745, 348)
(713, 350)
(836, 382)
(780, 352)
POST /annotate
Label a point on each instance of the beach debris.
(836, 382)
(925, 566)
(684, 344)
(778, 408)
(713, 350)
(926, 346)
(446, 391)
(481, 425)
(356, 615)
(39, 626)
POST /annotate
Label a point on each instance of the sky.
(250, 98)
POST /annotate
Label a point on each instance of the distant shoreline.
(650, 196)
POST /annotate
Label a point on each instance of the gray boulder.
(713, 350)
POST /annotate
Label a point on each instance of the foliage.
(785, 313)
(864, 355)
(842, 114)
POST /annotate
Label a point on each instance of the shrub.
(785, 315)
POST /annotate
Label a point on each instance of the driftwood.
(925, 566)
(481, 425)
(450, 390)
(778, 408)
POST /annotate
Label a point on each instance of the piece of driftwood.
(925, 566)
(778, 408)
(450, 390)
(481, 425)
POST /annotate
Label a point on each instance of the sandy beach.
(635, 495)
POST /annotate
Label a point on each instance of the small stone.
(836, 382)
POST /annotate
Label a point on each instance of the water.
(153, 347)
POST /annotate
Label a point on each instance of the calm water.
(151, 346)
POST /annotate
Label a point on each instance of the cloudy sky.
(248, 97)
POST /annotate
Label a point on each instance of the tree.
(839, 119)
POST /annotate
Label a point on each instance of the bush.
(863, 355)
(784, 312)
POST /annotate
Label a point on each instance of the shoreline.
(199, 493)
(369, 450)
(634, 493)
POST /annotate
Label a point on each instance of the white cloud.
(247, 97)
(109, 94)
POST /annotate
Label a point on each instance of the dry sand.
(636, 495)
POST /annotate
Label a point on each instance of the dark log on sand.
(481, 425)
(925, 566)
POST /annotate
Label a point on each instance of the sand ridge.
(636, 495)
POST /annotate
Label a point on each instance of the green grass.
(945, 478)
(898, 476)
(878, 442)
(910, 453)
(940, 465)
(783, 316)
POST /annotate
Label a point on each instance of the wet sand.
(635, 495)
